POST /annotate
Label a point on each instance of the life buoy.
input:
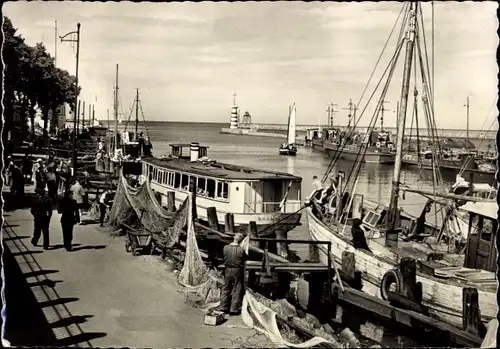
(420, 166)
(393, 276)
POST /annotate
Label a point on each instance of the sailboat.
(445, 270)
(289, 148)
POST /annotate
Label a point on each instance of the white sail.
(291, 125)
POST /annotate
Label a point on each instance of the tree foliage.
(31, 82)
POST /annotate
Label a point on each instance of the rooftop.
(218, 169)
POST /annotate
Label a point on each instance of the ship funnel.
(195, 151)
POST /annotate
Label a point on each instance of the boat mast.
(116, 109)
(467, 134)
(136, 113)
(403, 103)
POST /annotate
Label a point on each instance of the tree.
(32, 81)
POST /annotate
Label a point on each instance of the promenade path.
(100, 296)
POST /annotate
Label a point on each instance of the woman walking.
(68, 209)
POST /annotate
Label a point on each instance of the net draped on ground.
(139, 209)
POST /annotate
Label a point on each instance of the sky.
(188, 58)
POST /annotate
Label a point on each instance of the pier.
(444, 133)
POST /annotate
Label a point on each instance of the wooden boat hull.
(427, 165)
(443, 299)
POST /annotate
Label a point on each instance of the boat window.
(475, 224)
(487, 229)
(154, 173)
(222, 189)
(177, 180)
(185, 182)
(202, 184)
(211, 188)
(171, 179)
(162, 177)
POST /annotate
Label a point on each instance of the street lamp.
(77, 40)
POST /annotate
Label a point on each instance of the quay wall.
(252, 132)
(446, 133)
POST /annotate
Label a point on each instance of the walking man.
(234, 276)
(69, 216)
(42, 212)
(103, 205)
(51, 182)
(77, 194)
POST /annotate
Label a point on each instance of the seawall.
(250, 132)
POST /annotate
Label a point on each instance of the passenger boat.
(290, 148)
(265, 197)
(444, 269)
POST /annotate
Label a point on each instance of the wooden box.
(214, 318)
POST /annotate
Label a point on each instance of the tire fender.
(393, 276)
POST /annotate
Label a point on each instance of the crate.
(214, 318)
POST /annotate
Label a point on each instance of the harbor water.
(374, 183)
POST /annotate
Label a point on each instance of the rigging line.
(433, 57)
(355, 170)
(337, 154)
(145, 124)
(484, 138)
(129, 116)
(431, 88)
(470, 157)
(405, 4)
(405, 19)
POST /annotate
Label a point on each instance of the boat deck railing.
(289, 206)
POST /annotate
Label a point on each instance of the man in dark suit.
(42, 212)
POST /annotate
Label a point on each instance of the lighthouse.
(234, 114)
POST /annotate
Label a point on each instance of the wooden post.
(252, 233)
(410, 291)
(471, 312)
(213, 221)
(281, 247)
(171, 201)
(212, 241)
(192, 190)
(229, 223)
(348, 271)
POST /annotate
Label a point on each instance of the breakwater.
(443, 133)
(250, 132)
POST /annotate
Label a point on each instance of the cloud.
(188, 57)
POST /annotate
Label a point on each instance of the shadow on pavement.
(26, 252)
(47, 282)
(57, 301)
(84, 337)
(89, 247)
(39, 273)
(59, 246)
(16, 237)
(72, 320)
(26, 324)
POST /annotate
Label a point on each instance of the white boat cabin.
(228, 188)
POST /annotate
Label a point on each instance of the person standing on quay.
(51, 182)
(68, 209)
(234, 276)
(77, 194)
(103, 205)
(42, 212)
(39, 175)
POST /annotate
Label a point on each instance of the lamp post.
(77, 40)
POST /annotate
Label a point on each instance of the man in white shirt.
(103, 205)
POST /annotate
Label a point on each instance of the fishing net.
(138, 208)
(201, 284)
